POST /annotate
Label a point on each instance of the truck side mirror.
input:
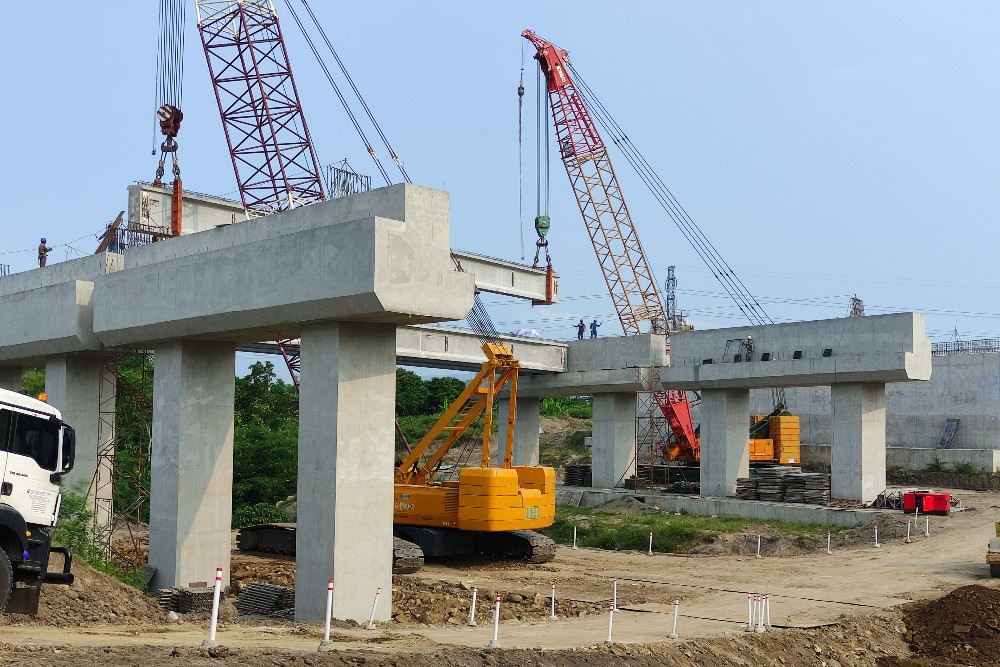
(68, 449)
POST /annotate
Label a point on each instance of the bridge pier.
(191, 491)
(345, 481)
(857, 453)
(725, 444)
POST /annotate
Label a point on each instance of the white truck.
(36, 449)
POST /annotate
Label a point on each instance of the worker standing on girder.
(593, 328)
(43, 252)
(580, 328)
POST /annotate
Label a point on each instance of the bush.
(965, 468)
(74, 530)
(559, 406)
(251, 515)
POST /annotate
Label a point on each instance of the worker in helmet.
(580, 328)
(43, 253)
(749, 347)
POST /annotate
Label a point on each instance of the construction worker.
(43, 252)
(593, 328)
(113, 243)
(580, 328)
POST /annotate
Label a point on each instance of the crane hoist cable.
(520, 152)
(170, 91)
(723, 272)
(542, 173)
(340, 96)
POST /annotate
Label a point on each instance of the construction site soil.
(850, 608)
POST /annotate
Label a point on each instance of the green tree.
(442, 391)
(263, 400)
(265, 465)
(33, 381)
(411, 393)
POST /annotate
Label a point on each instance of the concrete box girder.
(878, 348)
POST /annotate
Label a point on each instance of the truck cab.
(36, 449)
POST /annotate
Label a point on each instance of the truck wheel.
(995, 570)
(6, 579)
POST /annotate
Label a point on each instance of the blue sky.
(826, 149)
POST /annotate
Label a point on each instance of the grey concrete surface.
(525, 448)
(72, 386)
(917, 458)
(345, 483)
(613, 443)
(461, 349)
(618, 364)
(963, 387)
(705, 506)
(10, 378)
(191, 491)
(725, 444)
(270, 276)
(879, 348)
(857, 453)
(499, 276)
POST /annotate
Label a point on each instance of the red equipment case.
(930, 502)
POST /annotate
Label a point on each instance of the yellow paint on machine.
(485, 499)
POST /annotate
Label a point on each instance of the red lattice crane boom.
(619, 252)
(273, 156)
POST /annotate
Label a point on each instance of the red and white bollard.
(495, 642)
(371, 619)
(552, 614)
(758, 546)
(650, 552)
(472, 608)
(326, 644)
(210, 642)
(927, 526)
(611, 622)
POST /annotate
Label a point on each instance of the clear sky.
(826, 149)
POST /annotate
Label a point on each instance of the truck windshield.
(37, 439)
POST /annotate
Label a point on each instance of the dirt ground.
(925, 603)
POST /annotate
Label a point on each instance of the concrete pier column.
(345, 484)
(72, 384)
(191, 495)
(725, 440)
(613, 444)
(525, 431)
(857, 452)
(10, 378)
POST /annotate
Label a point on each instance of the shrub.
(251, 515)
(75, 531)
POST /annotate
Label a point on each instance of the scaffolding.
(955, 347)
(121, 509)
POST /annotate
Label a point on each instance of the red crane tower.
(623, 262)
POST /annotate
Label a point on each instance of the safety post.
(828, 552)
(552, 615)
(495, 642)
(371, 619)
(759, 604)
(472, 609)
(326, 644)
(650, 552)
(574, 537)
(767, 608)
(611, 622)
(758, 546)
(210, 642)
(614, 594)
(907, 540)
(877, 545)
(749, 612)
(673, 630)
(927, 526)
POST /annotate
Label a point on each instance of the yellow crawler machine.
(488, 509)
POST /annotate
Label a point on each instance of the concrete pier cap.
(856, 356)
(342, 275)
